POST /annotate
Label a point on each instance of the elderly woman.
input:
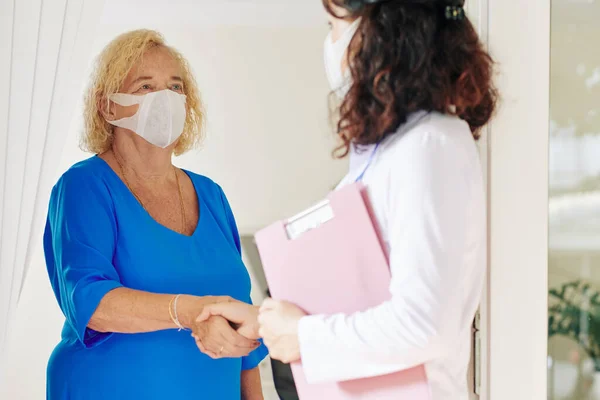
(136, 248)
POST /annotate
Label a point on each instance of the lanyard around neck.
(369, 162)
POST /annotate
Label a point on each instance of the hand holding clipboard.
(327, 260)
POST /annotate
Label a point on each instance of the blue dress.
(98, 238)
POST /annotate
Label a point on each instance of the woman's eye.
(177, 88)
(144, 88)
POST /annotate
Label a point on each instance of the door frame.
(515, 158)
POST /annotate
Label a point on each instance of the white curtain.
(44, 53)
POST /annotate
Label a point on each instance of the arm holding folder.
(426, 192)
(427, 197)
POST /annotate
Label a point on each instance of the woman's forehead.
(157, 61)
(157, 58)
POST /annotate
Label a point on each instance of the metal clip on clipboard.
(320, 213)
(309, 219)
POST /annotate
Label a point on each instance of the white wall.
(269, 140)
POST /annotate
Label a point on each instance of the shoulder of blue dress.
(204, 184)
(200, 180)
(89, 171)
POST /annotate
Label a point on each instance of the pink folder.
(327, 260)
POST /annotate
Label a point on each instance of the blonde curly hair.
(111, 68)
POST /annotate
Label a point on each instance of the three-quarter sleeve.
(253, 359)
(79, 243)
(428, 201)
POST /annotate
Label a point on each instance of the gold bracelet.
(181, 328)
(171, 312)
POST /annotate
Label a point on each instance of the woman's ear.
(106, 108)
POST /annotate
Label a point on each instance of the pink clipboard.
(330, 259)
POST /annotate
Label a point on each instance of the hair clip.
(455, 13)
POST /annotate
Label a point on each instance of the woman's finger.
(228, 350)
(268, 304)
(270, 343)
(201, 346)
(248, 331)
(207, 343)
(223, 342)
(205, 350)
(231, 337)
(265, 318)
(205, 314)
(236, 312)
(265, 333)
(237, 352)
(262, 318)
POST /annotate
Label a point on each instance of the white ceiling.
(255, 12)
(214, 12)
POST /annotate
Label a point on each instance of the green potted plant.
(574, 313)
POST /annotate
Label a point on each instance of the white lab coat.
(426, 187)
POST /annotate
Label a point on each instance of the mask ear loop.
(347, 38)
(327, 49)
(127, 100)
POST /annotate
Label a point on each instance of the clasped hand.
(217, 338)
(276, 322)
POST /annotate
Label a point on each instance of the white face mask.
(160, 117)
(339, 81)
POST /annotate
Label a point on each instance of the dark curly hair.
(409, 56)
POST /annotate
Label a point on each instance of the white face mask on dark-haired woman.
(160, 118)
(339, 79)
